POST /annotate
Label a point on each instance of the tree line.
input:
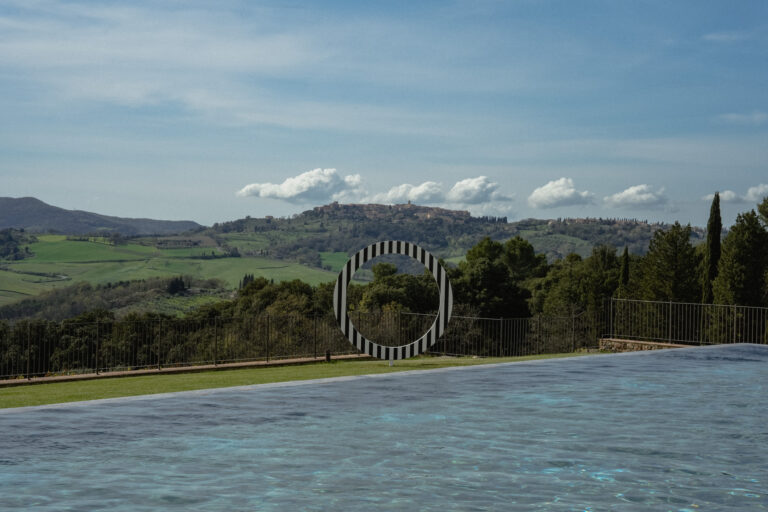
(14, 244)
(509, 279)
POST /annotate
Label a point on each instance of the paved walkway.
(176, 369)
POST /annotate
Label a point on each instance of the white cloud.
(427, 192)
(725, 37)
(637, 195)
(318, 185)
(469, 191)
(755, 118)
(757, 193)
(325, 185)
(557, 193)
(754, 194)
(726, 196)
(475, 191)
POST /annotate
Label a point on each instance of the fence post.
(157, 342)
(573, 332)
(610, 320)
(267, 341)
(314, 336)
(538, 335)
(98, 346)
(669, 331)
(29, 348)
(215, 340)
(501, 336)
(734, 323)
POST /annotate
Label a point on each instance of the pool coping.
(325, 380)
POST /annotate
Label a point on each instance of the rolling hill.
(310, 246)
(314, 236)
(36, 216)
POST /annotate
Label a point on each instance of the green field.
(177, 305)
(51, 393)
(334, 260)
(554, 243)
(61, 262)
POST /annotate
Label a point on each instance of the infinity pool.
(671, 430)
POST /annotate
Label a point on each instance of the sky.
(211, 111)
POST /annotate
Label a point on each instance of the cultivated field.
(61, 262)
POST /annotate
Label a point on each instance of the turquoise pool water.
(675, 430)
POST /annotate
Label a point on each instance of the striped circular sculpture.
(414, 348)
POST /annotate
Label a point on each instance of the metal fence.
(687, 323)
(484, 337)
(32, 348)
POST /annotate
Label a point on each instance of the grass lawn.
(59, 392)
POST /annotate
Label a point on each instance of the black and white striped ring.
(414, 348)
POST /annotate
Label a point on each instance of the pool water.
(682, 430)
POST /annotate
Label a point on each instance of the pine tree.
(741, 275)
(712, 251)
(176, 285)
(669, 267)
(484, 282)
(762, 209)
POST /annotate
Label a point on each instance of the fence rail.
(39, 348)
(31, 348)
(687, 323)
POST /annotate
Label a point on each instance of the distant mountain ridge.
(33, 215)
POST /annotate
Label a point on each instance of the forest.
(509, 279)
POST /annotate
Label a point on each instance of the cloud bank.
(726, 196)
(754, 195)
(558, 193)
(312, 186)
(469, 191)
(428, 192)
(757, 193)
(637, 195)
(475, 191)
(325, 185)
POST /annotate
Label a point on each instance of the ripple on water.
(637, 432)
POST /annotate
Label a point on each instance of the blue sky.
(212, 111)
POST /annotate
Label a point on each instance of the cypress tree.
(624, 271)
(712, 252)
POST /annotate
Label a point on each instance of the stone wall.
(615, 345)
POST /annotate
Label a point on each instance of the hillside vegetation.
(315, 236)
(159, 295)
(310, 246)
(14, 244)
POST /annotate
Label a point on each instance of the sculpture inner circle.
(416, 347)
